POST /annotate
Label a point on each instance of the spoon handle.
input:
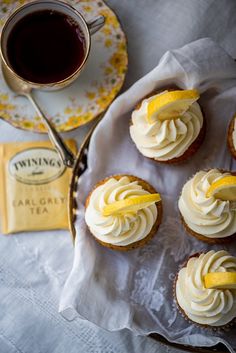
(64, 152)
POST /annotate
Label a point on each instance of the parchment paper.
(134, 290)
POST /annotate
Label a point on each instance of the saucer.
(90, 94)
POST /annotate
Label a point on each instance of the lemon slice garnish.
(171, 104)
(220, 280)
(131, 205)
(223, 189)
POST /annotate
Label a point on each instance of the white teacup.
(87, 28)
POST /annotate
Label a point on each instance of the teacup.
(31, 28)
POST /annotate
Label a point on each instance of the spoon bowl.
(21, 88)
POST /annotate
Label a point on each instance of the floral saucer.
(90, 94)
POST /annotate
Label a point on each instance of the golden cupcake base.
(185, 316)
(202, 237)
(207, 239)
(192, 149)
(146, 186)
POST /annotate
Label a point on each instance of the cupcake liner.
(215, 329)
(192, 149)
(230, 137)
(146, 186)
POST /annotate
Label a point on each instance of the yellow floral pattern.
(94, 91)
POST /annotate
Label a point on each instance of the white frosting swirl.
(167, 139)
(214, 307)
(119, 229)
(207, 216)
(234, 134)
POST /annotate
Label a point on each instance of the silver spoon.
(22, 89)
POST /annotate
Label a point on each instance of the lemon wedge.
(220, 280)
(171, 104)
(131, 205)
(223, 189)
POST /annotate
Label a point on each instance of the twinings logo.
(36, 166)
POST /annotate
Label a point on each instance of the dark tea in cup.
(46, 43)
(46, 46)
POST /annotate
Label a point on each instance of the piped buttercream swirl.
(165, 139)
(124, 229)
(214, 307)
(207, 216)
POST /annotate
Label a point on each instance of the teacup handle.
(95, 24)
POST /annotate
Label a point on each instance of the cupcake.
(169, 126)
(123, 212)
(205, 289)
(231, 138)
(207, 206)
